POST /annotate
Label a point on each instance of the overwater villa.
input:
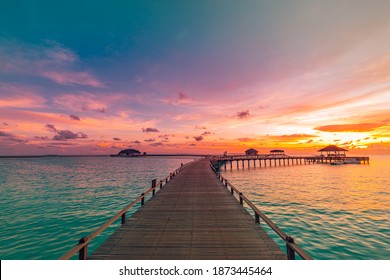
(276, 153)
(251, 152)
(333, 151)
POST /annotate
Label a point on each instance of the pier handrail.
(82, 247)
(291, 246)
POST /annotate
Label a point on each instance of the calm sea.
(48, 204)
(333, 212)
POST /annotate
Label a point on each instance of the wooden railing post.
(241, 200)
(142, 199)
(154, 186)
(257, 218)
(123, 218)
(231, 190)
(161, 184)
(290, 251)
(226, 183)
(83, 253)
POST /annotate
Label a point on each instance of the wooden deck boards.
(192, 217)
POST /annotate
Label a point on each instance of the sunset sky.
(95, 77)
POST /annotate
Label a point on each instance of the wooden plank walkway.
(192, 217)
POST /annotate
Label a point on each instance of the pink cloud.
(82, 102)
(54, 62)
(17, 96)
(59, 53)
(73, 78)
(180, 99)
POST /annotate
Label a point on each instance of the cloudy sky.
(94, 77)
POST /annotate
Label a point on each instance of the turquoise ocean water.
(48, 204)
(333, 212)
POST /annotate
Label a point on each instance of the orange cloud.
(246, 139)
(361, 127)
(290, 137)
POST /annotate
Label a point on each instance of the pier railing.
(82, 247)
(291, 246)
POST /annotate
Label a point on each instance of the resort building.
(333, 151)
(251, 152)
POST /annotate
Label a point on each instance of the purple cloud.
(17, 140)
(198, 138)
(150, 140)
(150, 129)
(156, 144)
(51, 128)
(101, 110)
(41, 137)
(63, 135)
(116, 139)
(11, 137)
(243, 114)
(200, 127)
(137, 142)
(206, 133)
(4, 134)
(74, 117)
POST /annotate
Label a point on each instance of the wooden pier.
(267, 160)
(193, 216)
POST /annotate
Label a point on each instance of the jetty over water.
(197, 214)
(279, 160)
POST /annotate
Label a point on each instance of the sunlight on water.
(333, 212)
(48, 204)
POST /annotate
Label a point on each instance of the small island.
(129, 153)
